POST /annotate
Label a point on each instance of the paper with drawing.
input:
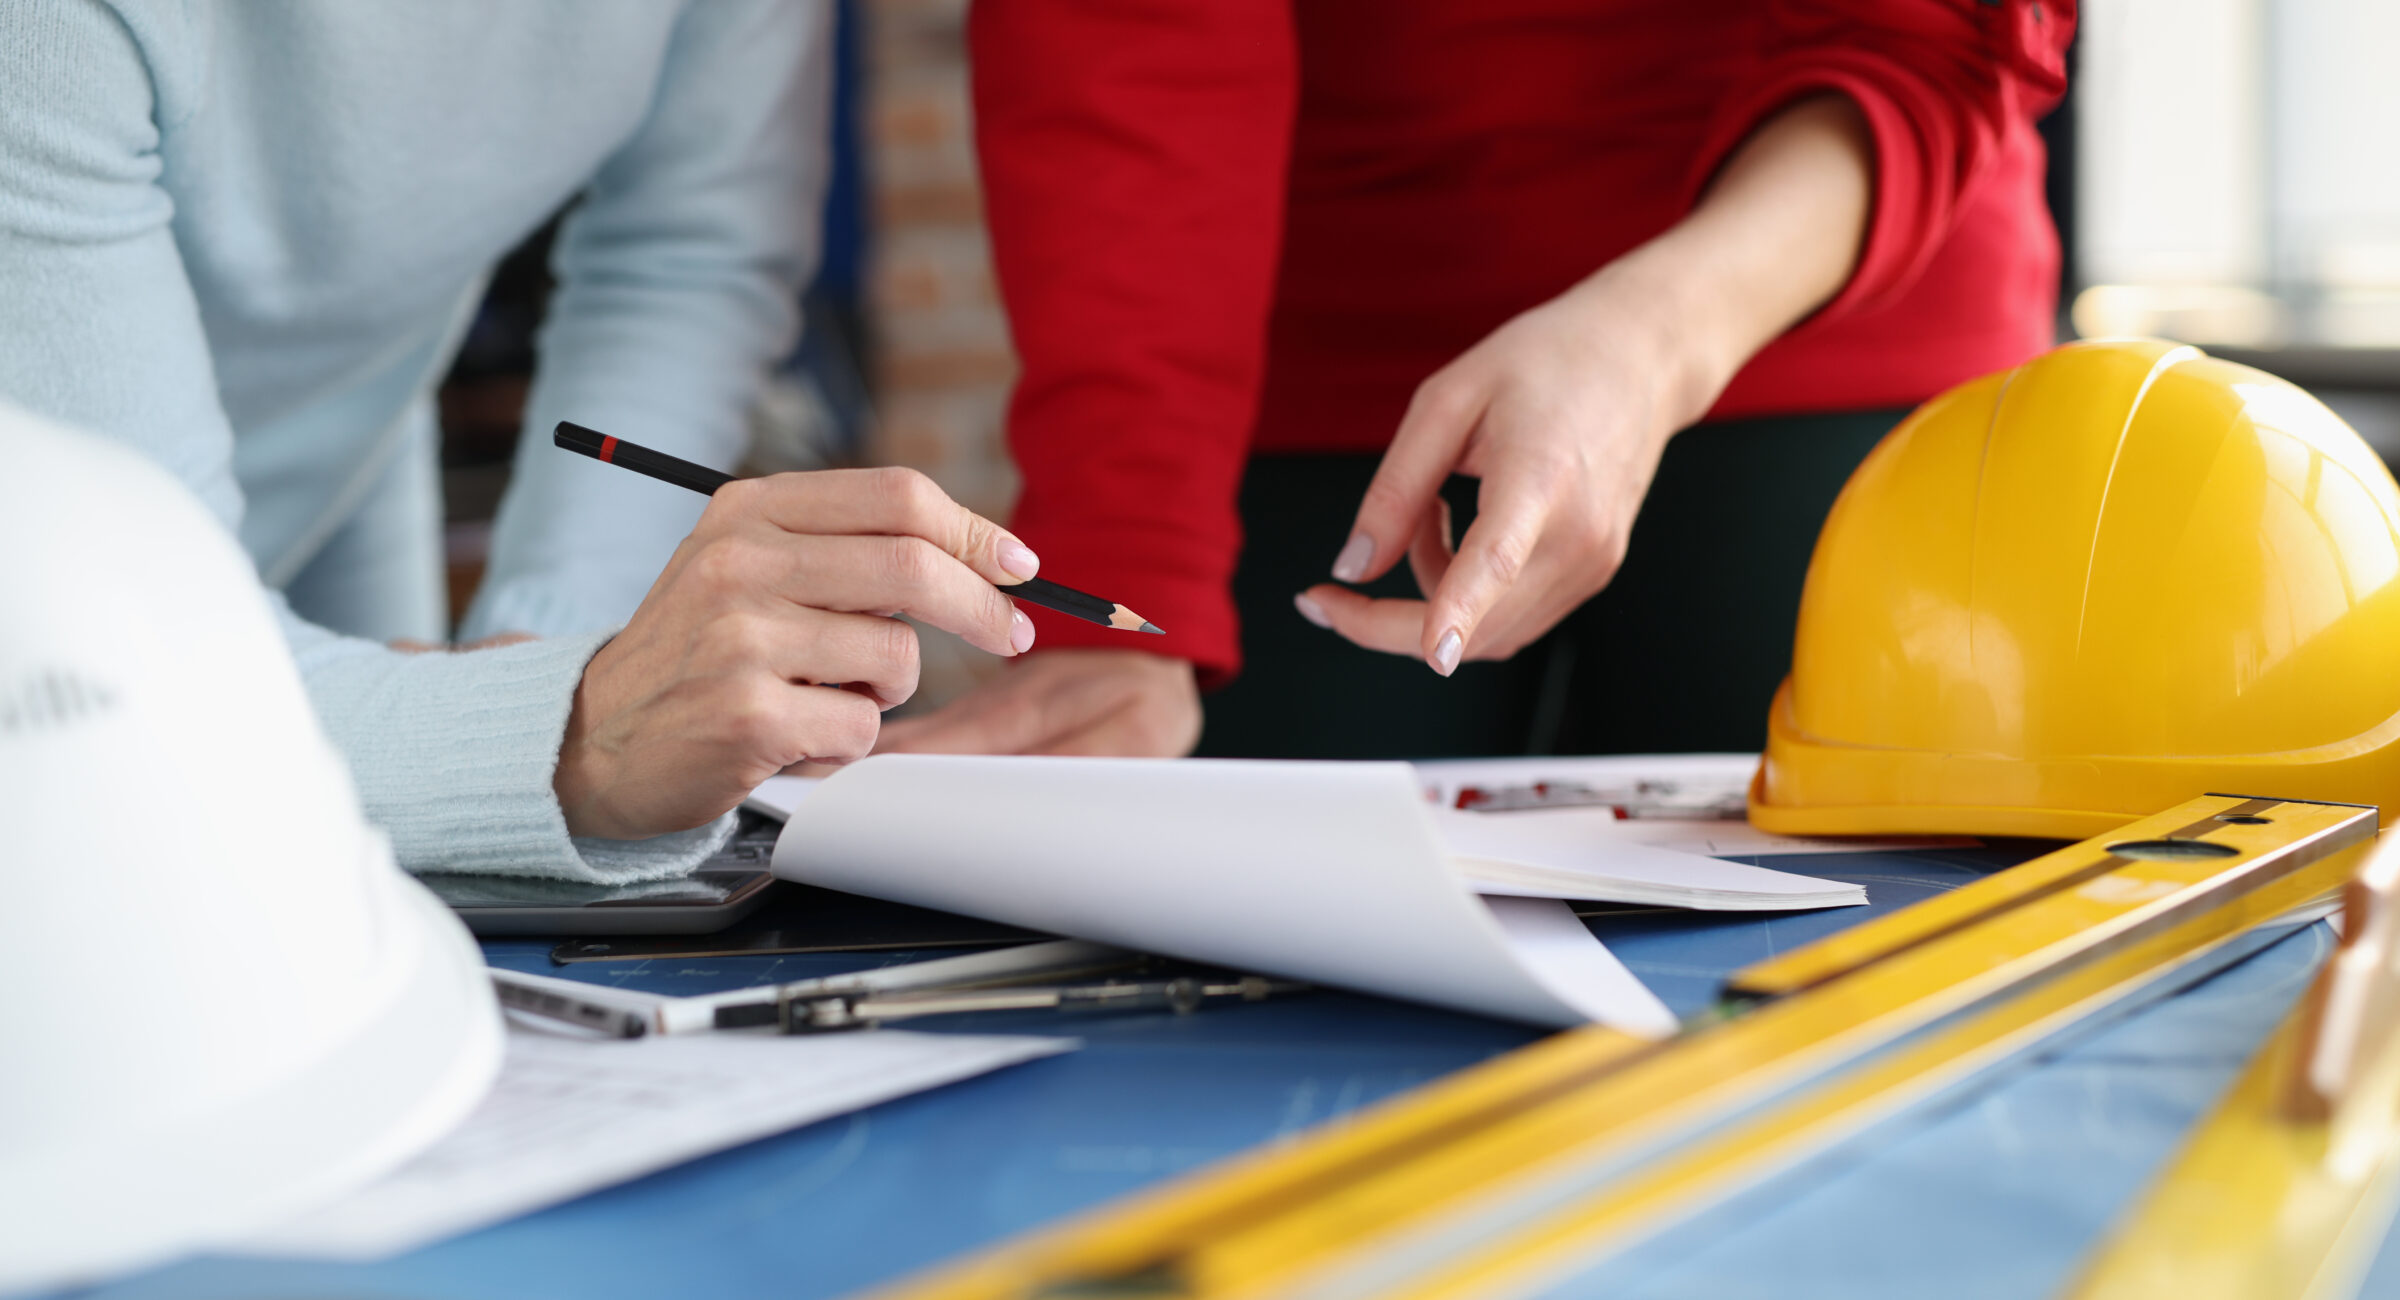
(1695, 803)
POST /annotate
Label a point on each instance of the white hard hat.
(223, 1001)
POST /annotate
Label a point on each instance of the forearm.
(1775, 236)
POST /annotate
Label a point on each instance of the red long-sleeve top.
(1232, 225)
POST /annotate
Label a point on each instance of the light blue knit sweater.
(244, 235)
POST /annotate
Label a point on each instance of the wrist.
(576, 780)
(1661, 303)
(1774, 238)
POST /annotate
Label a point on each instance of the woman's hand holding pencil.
(722, 677)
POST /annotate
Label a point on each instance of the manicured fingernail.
(1019, 560)
(1357, 553)
(1445, 653)
(1311, 610)
(1020, 632)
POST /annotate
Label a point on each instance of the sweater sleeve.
(1937, 81)
(679, 276)
(1133, 156)
(99, 328)
(454, 755)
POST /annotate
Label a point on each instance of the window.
(2238, 180)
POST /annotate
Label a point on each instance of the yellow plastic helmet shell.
(2076, 593)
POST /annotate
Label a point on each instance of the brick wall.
(939, 342)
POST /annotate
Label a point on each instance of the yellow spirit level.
(2288, 1187)
(1537, 1165)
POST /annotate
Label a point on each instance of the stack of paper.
(1582, 853)
(1338, 873)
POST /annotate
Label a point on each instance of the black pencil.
(705, 481)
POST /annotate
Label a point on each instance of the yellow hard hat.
(2082, 591)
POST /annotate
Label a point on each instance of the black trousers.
(1681, 652)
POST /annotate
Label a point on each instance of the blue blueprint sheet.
(1997, 1196)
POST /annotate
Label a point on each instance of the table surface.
(1998, 1194)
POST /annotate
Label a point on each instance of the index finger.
(891, 502)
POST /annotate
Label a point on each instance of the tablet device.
(721, 891)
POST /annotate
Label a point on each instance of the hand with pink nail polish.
(1564, 411)
(1562, 416)
(766, 643)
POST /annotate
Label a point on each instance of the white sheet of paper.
(1591, 842)
(1674, 781)
(571, 1115)
(1553, 945)
(1726, 839)
(1328, 872)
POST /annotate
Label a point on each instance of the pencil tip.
(1153, 629)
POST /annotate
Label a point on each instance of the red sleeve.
(1133, 157)
(1939, 81)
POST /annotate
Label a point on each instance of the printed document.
(572, 1114)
